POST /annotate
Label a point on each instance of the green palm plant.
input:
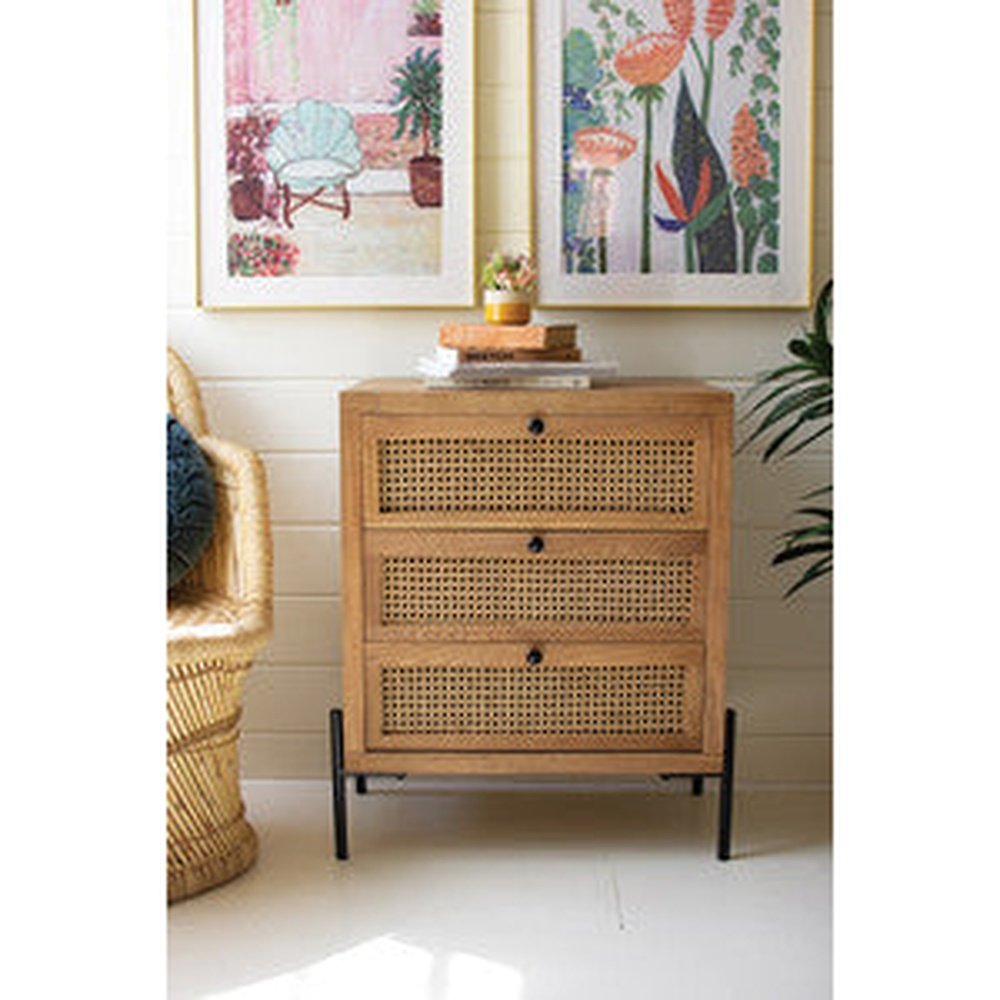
(797, 410)
(418, 98)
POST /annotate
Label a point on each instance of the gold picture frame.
(629, 288)
(218, 288)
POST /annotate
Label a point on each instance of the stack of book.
(534, 356)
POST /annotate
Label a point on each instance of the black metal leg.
(339, 790)
(697, 785)
(726, 788)
(361, 784)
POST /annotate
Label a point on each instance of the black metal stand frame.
(725, 776)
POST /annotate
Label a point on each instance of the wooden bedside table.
(535, 582)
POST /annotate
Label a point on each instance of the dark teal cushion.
(190, 501)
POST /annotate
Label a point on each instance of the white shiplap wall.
(271, 380)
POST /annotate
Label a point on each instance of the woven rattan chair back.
(183, 396)
(218, 619)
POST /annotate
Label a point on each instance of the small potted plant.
(246, 142)
(426, 18)
(508, 284)
(418, 110)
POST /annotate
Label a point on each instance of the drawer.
(443, 586)
(536, 469)
(519, 698)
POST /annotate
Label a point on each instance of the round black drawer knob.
(537, 544)
(534, 656)
(536, 425)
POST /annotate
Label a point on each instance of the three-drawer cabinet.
(534, 582)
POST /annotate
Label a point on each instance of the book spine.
(471, 356)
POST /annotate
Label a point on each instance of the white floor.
(541, 893)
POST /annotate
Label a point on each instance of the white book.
(445, 364)
(481, 370)
(515, 382)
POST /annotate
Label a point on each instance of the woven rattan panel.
(573, 474)
(423, 590)
(605, 701)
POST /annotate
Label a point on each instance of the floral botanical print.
(671, 136)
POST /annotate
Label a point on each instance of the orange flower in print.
(749, 159)
(603, 146)
(683, 213)
(650, 59)
(680, 15)
(718, 16)
(645, 63)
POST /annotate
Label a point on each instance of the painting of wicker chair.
(313, 153)
(219, 617)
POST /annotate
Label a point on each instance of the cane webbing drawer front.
(553, 470)
(490, 697)
(513, 585)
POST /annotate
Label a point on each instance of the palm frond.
(794, 400)
(785, 387)
(813, 539)
(805, 442)
(792, 407)
(821, 492)
(791, 552)
(822, 409)
(776, 373)
(818, 569)
(824, 513)
(792, 391)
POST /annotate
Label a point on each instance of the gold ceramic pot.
(506, 308)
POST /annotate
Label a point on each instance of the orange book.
(532, 337)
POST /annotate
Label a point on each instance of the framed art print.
(673, 152)
(335, 153)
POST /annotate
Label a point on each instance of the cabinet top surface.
(653, 392)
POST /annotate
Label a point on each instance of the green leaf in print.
(633, 21)
(746, 216)
(582, 107)
(770, 53)
(736, 54)
(767, 263)
(763, 188)
(581, 67)
(710, 213)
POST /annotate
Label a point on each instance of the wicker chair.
(218, 619)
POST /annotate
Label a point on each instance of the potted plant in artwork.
(246, 142)
(508, 283)
(418, 113)
(426, 18)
